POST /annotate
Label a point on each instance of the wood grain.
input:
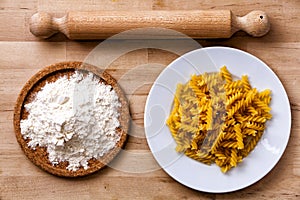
(22, 55)
(63, 6)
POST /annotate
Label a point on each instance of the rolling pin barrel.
(103, 24)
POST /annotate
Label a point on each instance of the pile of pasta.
(216, 119)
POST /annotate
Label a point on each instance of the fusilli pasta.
(216, 119)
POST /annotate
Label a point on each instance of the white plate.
(193, 173)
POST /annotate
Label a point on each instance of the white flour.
(75, 119)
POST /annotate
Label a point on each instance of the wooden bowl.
(39, 156)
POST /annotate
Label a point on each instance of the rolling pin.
(195, 23)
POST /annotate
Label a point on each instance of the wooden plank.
(96, 187)
(31, 55)
(9, 32)
(63, 6)
(78, 51)
(18, 5)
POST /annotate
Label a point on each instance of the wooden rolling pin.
(195, 23)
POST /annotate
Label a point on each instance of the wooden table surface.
(137, 177)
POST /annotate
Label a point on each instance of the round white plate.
(193, 173)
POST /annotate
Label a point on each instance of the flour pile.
(75, 118)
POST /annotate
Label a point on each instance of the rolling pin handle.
(255, 23)
(44, 25)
